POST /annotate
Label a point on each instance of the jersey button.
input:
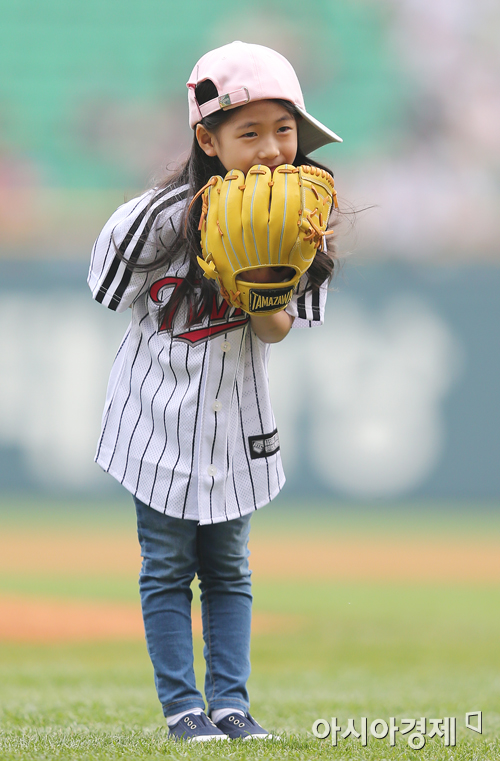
(212, 470)
(216, 406)
(226, 346)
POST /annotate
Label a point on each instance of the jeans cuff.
(170, 709)
(213, 705)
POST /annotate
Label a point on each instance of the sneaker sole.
(206, 738)
(198, 738)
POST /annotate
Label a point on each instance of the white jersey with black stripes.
(188, 425)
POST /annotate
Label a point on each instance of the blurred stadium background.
(392, 405)
(398, 392)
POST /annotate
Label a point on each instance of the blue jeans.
(173, 551)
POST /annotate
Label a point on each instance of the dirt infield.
(287, 556)
(24, 619)
(341, 559)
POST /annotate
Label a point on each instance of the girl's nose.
(270, 150)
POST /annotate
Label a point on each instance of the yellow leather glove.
(260, 233)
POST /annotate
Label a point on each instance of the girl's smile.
(268, 275)
(260, 132)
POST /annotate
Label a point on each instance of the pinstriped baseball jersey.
(188, 425)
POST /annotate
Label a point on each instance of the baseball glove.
(260, 233)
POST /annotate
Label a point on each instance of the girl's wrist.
(271, 328)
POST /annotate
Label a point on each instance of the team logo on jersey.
(265, 445)
(223, 316)
(262, 300)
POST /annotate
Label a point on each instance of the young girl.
(188, 427)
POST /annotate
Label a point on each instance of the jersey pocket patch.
(265, 445)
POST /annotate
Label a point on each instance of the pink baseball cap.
(243, 72)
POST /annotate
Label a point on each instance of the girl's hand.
(271, 328)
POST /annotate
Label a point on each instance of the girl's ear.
(205, 140)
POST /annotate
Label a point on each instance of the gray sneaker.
(236, 726)
(195, 727)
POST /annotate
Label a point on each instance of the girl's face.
(261, 132)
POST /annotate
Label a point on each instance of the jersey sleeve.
(136, 231)
(308, 307)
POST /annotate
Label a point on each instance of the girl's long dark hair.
(195, 289)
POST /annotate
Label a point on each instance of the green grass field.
(358, 649)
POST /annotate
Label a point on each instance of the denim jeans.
(173, 551)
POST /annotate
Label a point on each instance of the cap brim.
(313, 134)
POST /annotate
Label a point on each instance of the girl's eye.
(249, 134)
(285, 128)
